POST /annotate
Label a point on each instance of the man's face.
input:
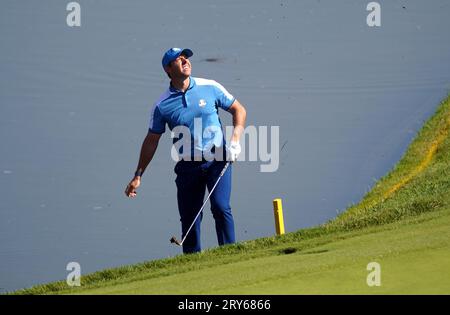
(179, 68)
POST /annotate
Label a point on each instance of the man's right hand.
(130, 191)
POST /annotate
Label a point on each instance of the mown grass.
(414, 192)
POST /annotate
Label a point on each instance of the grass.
(403, 223)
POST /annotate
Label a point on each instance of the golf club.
(174, 239)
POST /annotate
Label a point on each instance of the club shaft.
(207, 198)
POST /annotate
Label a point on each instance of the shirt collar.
(173, 90)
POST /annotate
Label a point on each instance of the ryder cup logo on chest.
(202, 103)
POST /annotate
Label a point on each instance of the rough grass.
(412, 200)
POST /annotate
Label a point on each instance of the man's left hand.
(234, 149)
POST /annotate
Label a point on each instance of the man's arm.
(148, 149)
(239, 114)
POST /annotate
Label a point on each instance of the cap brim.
(187, 53)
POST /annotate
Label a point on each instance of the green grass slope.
(403, 224)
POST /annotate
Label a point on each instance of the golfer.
(193, 102)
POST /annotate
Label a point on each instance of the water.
(74, 107)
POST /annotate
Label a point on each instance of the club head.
(174, 240)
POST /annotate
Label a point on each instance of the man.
(193, 103)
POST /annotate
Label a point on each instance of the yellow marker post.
(278, 212)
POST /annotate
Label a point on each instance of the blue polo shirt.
(196, 109)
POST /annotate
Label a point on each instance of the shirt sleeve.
(224, 98)
(157, 122)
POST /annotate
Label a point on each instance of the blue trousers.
(193, 177)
